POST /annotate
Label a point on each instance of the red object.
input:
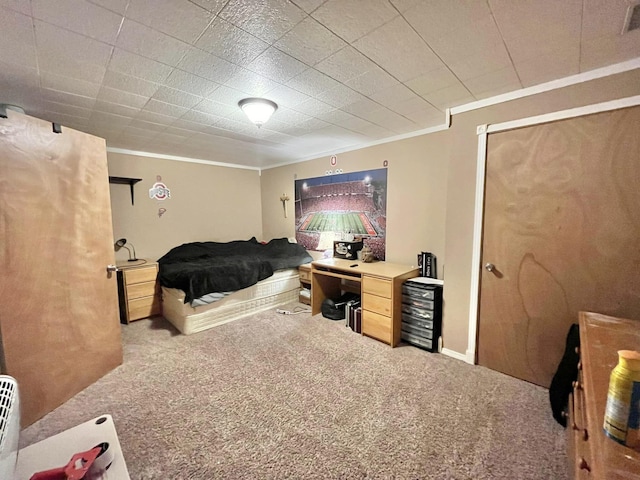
(74, 470)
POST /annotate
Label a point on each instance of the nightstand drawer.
(145, 289)
(144, 307)
(377, 286)
(305, 275)
(376, 304)
(140, 275)
(376, 326)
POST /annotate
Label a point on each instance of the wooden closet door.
(562, 227)
(59, 323)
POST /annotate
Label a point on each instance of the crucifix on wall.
(284, 198)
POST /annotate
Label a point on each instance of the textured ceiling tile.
(533, 20)
(345, 64)
(310, 42)
(313, 107)
(179, 18)
(117, 108)
(417, 57)
(276, 65)
(312, 82)
(69, 85)
(414, 105)
(427, 118)
(18, 75)
(150, 127)
(214, 6)
(117, 6)
(20, 6)
(200, 118)
(108, 119)
(542, 69)
(227, 41)
(147, 42)
(176, 97)
(72, 110)
(605, 51)
(120, 97)
(291, 117)
(492, 81)
(450, 97)
(227, 95)
(521, 48)
(362, 107)
(17, 43)
(431, 81)
(250, 83)
(442, 18)
(337, 117)
(207, 66)
(68, 98)
(308, 5)
(394, 94)
(127, 83)
(190, 83)
(154, 117)
(340, 95)
(81, 17)
(603, 18)
(219, 109)
(266, 19)
(372, 81)
(481, 63)
(164, 108)
(137, 66)
(494, 91)
(287, 97)
(353, 19)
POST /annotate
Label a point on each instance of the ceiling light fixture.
(259, 110)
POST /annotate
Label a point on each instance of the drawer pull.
(574, 426)
(583, 465)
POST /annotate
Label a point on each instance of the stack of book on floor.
(354, 315)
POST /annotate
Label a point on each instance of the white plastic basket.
(9, 425)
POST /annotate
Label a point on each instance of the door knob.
(112, 268)
(489, 267)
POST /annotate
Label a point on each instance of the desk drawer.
(376, 326)
(140, 275)
(377, 286)
(145, 289)
(144, 307)
(377, 304)
(305, 276)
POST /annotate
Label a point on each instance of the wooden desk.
(591, 453)
(378, 283)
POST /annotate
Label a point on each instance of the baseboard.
(454, 354)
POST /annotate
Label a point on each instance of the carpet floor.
(302, 397)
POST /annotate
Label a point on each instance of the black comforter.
(200, 268)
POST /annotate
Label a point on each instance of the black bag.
(567, 373)
(335, 309)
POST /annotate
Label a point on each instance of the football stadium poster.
(343, 206)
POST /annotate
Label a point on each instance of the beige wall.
(208, 203)
(431, 194)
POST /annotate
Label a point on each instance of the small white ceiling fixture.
(259, 110)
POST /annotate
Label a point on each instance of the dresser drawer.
(377, 286)
(418, 302)
(377, 304)
(376, 326)
(419, 341)
(419, 322)
(140, 275)
(143, 307)
(417, 312)
(417, 331)
(417, 292)
(145, 289)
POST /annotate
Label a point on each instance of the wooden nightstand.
(138, 290)
(305, 281)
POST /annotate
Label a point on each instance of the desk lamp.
(123, 243)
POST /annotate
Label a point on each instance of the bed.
(239, 278)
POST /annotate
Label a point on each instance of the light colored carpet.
(274, 396)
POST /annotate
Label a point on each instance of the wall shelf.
(125, 181)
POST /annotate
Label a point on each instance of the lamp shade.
(259, 110)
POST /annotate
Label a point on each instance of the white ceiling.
(165, 76)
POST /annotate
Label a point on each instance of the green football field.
(352, 222)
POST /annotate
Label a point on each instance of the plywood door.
(58, 307)
(562, 227)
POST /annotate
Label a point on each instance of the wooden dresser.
(138, 291)
(592, 455)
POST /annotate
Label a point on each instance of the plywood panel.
(562, 226)
(58, 307)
